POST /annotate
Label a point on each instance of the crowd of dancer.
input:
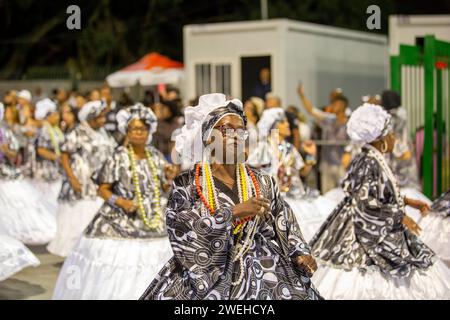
(215, 201)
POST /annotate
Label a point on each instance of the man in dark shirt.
(263, 86)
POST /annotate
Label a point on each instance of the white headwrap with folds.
(2, 111)
(368, 123)
(199, 122)
(91, 110)
(44, 107)
(269, 119)
(137, 111)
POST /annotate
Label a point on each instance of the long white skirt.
(72, 219)
(14, 256)
(436, 235)
(310, 213)
(118, 269)
(49, 191)
(24, 214)
(337, 284)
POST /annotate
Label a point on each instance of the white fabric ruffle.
(338, 284)
(49, 191)
(310, 213)
(72, 219)
(14, 256)
(24, 214)
(118, 269)
(436, 235)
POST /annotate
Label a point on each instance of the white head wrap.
(269, 118)
(91, 110)
(2, 111)
(137, 111)
(200, 120)
(368, 123)
(24, 94)
(43, 108)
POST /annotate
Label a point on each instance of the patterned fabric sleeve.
(376, 211)
(195, 238)
(110, 171)
(298, 159)
(286, 226)
(43, 140)
(10, 140)
(70, 144)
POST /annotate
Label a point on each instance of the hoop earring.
(384, 147)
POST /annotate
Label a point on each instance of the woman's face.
(228, 140)
(67, 116)
(283, 129)
(98, 122)
(249, 109)
(390, 140)
(137, 132)
(53, 119)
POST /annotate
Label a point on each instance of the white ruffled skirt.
(72, 219)
(118, 269)
(24, 214)
(436, 235)
(14, 256)
(338, 284)
(49, 191)
(310, 213)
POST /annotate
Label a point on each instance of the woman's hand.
(423, 207)
(76, 185)
(309, 147)
(251, 208)
(128, 205)
(411, 225)
(307, 263)
(171, 171)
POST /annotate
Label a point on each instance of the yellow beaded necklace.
(156, 222)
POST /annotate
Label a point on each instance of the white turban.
(269, 118)
(368, 123)
(199, 122)
(43, 108)
(24, 94)
(2, 111)
(91, 110)
(138, 111)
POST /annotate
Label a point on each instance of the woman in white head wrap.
(368, 248)
(83, 153)
(126, 242)
(279, 158)
(47, 176)
(232, 235)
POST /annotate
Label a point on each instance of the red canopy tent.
(152, 69)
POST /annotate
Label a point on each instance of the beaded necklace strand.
(156, 221)
(246, 189)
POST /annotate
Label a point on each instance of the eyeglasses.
(138, 129)
(231, 133)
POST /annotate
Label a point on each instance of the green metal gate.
(421, 74)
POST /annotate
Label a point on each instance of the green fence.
(421, 74)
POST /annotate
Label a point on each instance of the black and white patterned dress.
(117, 251)
(204, 247)
(365, 250)
(112, 221)
(88, 150)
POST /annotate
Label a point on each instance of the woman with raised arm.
(232, 235)
(277, 157)
(368, 247)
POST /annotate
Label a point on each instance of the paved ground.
(33, 283)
